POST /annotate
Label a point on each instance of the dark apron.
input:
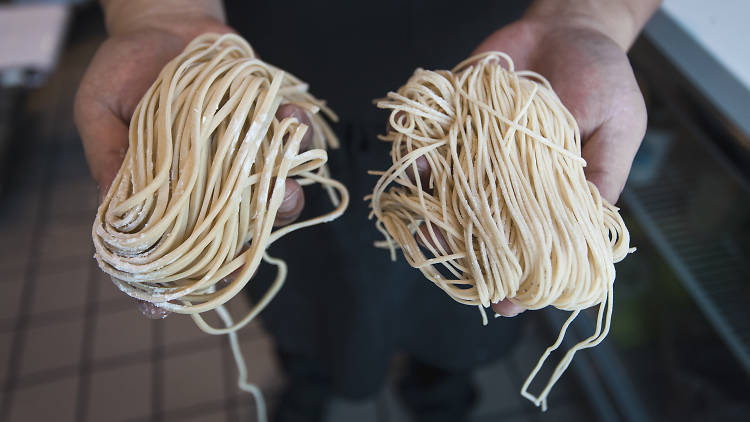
(345, 304)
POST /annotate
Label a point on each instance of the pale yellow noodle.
(203, 177)
(506, 192)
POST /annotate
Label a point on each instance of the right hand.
(589, 70)
(124, 67)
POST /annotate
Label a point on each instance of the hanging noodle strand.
(190, 214)
(507, 209)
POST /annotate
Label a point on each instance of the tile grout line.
(47, 376)
(87, 348)
(27, 293)
(204, 408)
(115, 362)
(43, 319)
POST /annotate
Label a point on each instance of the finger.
(507, 308)
(425, 238)
(504, 307)
(105, 140)
(423, 169)
(291, 110)
(292, 205)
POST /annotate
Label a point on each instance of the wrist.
(183, 18)
(620, 20)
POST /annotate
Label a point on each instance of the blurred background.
(72, 347)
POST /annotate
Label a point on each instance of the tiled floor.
(73, 348)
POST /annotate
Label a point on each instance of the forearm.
(124, 15)
(621, 20)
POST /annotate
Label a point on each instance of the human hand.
(122, 70)
(124, 67)
(591, 74)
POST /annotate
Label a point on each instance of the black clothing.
(345, 304)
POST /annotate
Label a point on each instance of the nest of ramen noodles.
(190, 214)
(506, 211)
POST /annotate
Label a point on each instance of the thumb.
(609, 153)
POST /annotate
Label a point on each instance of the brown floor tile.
(252, 330)
(54, 401)
(14, 265)
(239, 307)
(52, 346)
(10, 299)
(263, 368)
(106, 288)
(193, 379)
(201, 416)
(6, 342)
(14, 231)
(15, 249)
(75, 198)
(245, 409)
(121, 394)
(66, 245)
(122, 333)
(181, 329)
(64, 289)
(18, 214)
